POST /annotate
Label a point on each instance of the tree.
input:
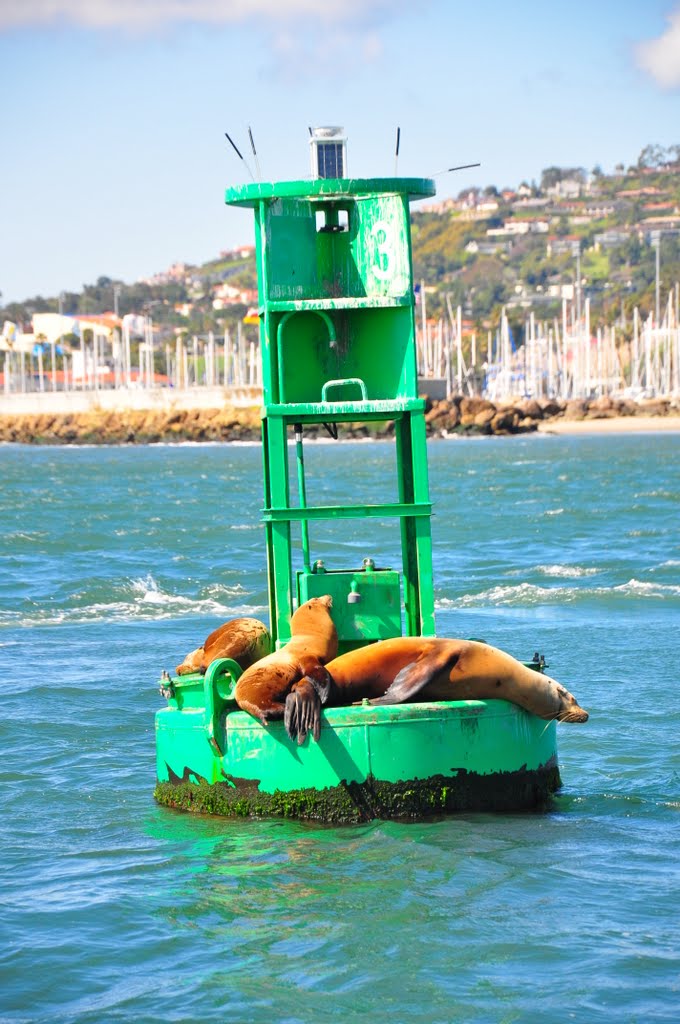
(552, 176)
(652, 156)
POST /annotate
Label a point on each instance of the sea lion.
(406, 668)
(263, 689)
(244, 640)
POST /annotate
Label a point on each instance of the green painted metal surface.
(366, 602)
(458, 743)
(321, 188)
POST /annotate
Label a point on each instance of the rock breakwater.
(457, 416)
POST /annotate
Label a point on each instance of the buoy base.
(355, 802)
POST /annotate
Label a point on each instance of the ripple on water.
(117, 910)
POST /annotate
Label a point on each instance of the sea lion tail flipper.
(417, 674)
(192, 663)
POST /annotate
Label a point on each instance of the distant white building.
(520, 227)
(51, 327)
(568, 188)
(487, 248)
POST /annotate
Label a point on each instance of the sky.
(113, 113)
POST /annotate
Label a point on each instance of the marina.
(567, 357)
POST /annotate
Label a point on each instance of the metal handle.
(339, 383)
(218, 688)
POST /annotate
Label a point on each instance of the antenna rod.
(460, 167)
(396, 152)
(252, 146)
(239, 154)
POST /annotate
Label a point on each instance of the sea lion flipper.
(417, 674)
(315, 673)
(302, 712)
(290, 715)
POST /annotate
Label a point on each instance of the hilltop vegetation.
(486, 249)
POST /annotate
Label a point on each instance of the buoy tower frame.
(338, 344)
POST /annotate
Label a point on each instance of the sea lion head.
(313, 619)
(312, 612)
(570, 710)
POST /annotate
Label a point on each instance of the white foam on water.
(145, 600)
(530, 595)
(32, 535)
(567, 571)
(656, 494)
(638, 588)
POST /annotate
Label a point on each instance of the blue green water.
(117, 562)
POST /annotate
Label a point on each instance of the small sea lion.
(244, 640)
(428, 669)
(263, 689)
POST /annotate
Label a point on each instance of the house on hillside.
(520, 227)
(611, 239)
(481, 248)
(567, 188)
(561, 245)
(175, 272)
(638, 193)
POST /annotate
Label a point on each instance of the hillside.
(486, 249)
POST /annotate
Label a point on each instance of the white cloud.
(145, 15)
(661, 57)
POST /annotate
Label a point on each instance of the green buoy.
(338, 345)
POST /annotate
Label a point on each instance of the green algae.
(355, 802)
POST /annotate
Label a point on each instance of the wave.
(657, 494)
(567, 571)
(141, 600)
(30, 535)
(531, 595)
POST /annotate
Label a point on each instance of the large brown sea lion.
(244, 640)
(262, 689)
(406, 668)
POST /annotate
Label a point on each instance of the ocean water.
(116, 562)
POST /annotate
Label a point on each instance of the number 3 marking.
(381, 268)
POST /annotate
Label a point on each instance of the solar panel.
(329, 160)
